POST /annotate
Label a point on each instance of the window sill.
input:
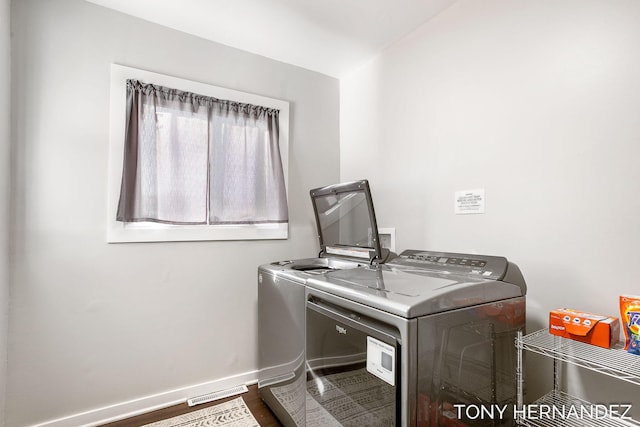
(150, 232)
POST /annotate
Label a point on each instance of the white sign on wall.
(469, 202)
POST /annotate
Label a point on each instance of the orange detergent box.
(589, 328)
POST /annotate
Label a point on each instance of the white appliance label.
(381, 360)
(469, 202)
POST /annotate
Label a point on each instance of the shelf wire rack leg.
(557, 374)
(519, 375)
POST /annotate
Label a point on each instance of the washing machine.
(360, 337)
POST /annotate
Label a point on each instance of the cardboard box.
(588, 328)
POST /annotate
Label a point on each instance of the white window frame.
(119, 232)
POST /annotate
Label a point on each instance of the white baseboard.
(146, 404)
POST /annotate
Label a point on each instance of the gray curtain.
(193, 159)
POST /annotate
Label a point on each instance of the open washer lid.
(346, 221)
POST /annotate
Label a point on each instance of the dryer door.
(352, 368)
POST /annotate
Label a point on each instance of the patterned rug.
(233, 413)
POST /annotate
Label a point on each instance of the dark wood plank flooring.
(260, 411)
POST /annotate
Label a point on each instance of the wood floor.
(260, 411)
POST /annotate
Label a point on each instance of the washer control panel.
(491, 267)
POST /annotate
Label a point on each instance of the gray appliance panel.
(489, 267)
(412, 292)
(467, 356)
(281, 343)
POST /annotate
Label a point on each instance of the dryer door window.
(352, 369)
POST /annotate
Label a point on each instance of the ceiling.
(332, 37)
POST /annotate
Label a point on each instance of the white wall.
(94, 324)
(536, 102)
(5, 88)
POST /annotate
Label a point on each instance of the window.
(194, 162)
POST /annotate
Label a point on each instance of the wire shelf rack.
(559, 409)
(615, 362)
